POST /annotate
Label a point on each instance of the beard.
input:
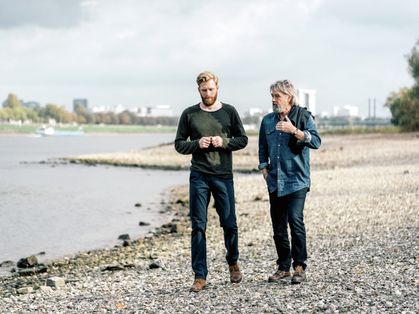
(278, 108)
(209, 101)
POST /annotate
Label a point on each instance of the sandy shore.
(363, 244)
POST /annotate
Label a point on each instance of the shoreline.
(362, 239)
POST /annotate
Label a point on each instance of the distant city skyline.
(149, 53)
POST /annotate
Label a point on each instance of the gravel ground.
(362, 226)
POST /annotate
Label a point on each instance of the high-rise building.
(82, 102)
(307, 98)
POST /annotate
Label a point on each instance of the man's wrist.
(295, 132)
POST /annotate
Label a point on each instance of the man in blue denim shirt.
(285, 137)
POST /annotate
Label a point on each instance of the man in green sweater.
(210, 131)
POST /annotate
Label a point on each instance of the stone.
(55, 282)
(239, 200)
(24, 290)
(176, 228)
(127, 243)
(44, 288)
(142, 223)
(27, 272)
(27, 262)
(113, 268)
(6, 264)
(124, 237)
(261, 197)
(157, 263)
(182, 201)
(39, 269)
(138, 205)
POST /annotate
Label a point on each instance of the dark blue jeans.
(200, 189)
(286, 210)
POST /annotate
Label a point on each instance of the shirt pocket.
(271, 137)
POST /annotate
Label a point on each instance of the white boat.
(49, 131)
(45, 131)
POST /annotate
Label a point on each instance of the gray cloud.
(389, 14)
(43, 13)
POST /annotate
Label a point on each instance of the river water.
(64, 209)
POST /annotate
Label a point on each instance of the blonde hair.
(286, 87)
(205, 77)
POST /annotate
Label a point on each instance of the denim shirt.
(287, 172)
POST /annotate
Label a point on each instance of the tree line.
(14, 111)
(404, 105)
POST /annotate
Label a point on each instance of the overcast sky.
(150, 52)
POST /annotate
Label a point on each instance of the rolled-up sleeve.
(312, 137)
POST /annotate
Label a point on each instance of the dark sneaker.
(299, 275)
(198, 285)
(279, 275)
(235, 273)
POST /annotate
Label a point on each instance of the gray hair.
(286, 87)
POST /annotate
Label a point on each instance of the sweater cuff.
(263, 165)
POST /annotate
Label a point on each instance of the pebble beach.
(362, 222)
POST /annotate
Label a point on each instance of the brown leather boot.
(299, 275)
(198, 285)
(235, 273)
(279, 275)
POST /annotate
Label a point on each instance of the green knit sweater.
(196, 123)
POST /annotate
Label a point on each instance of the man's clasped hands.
(205, 142)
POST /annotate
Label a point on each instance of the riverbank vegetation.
(88, 129)
(13, 111)
(404, 105)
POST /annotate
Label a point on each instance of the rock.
(55, 282)
(6, 264)
(261, 197)
(138, 205)
(27, 272)
(124, 237)
(142, 223)
(41, 253)
(176, 228)
(44, 288)
(239, 200)
(127, 243)
(406, 172)
(27, 262)
(113, 268)
(24, 290)
(157, 263)
(182, 201)
(39, 269)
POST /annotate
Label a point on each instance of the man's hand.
(204, 142)
(217, 141)
(285, 126)
(265, 173)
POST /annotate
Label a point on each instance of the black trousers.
(286, 210)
